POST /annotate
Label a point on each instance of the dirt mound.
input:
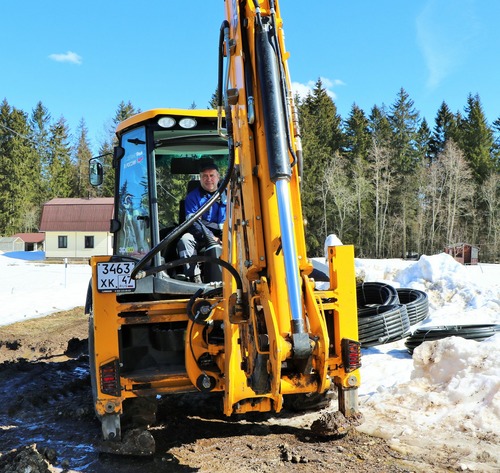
(26, 459)
(45, 338)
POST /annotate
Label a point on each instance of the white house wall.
(103, 244)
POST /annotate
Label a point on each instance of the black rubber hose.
(220, 64)
(477, 332)
(385, 314)
(191, 260)
(369, 294)
(417, 304)
(383, 324)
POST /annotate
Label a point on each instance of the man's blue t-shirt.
(215, 216)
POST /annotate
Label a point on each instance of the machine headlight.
(187, 122)
(166, 122)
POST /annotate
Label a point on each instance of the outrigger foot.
(135, 442)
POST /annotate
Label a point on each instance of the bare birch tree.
(340, 191)
(363, 192)
(381, 178)
(490, 191)
(458, 186)
(434, 189)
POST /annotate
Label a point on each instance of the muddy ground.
(47, 421)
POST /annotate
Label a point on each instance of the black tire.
(306, 401)
(471, 332)
(139, 412)
(319, 276)
(88, 299)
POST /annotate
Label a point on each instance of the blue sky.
(81, 59)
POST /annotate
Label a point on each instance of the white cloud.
(303, 90)
(69, 56)
(446, 35)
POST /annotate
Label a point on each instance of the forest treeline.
(386, 180)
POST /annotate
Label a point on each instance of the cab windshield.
(159, 166)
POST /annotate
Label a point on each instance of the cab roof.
(157, 112)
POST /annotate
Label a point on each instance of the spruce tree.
(423, 142)
(477, 141)
(212, 104)
(40, 124)
(61, 170)
(19, 172)
(122, 112)
(404, 122)
(445, 128)
(81, 155)
(379, 126)
(357, 138)
(357, 145)
(496, 144)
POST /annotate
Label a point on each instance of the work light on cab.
(166, 122)
(187, 123)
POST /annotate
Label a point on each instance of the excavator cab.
(157, 162)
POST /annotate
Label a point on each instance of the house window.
(89, 241)
(62, 241)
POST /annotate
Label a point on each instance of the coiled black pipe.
(383, 324)
(385, 313)
(477, 332)
(417, 304)
(369, 294)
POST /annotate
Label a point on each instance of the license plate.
(115, 277)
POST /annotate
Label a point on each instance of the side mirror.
(96, 172)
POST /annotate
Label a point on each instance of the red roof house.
(77, 228)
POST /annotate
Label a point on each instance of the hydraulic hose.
(193, 259)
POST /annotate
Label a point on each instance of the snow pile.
(449, 401)
(448, 395)
(34, 289)
(381, 270)
(454, 385)
(461, 373)
(458, 295)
